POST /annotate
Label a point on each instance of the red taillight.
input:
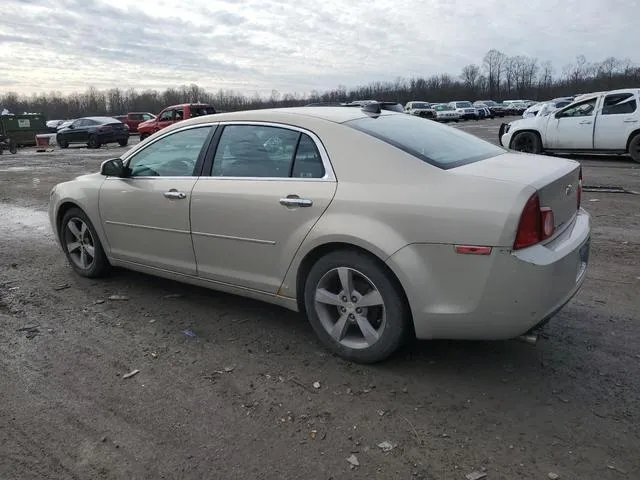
(536, 224)
(579, 188)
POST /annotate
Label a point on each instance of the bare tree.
(470, 74)
(493, 64)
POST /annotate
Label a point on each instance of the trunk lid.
(555, 179)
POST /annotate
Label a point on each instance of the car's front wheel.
(81, 244)
(527, 142)
(144, 136)
(62, 143)
(634, 148)
(123, 143)
(355, 306)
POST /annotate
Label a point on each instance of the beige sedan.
(377, 225)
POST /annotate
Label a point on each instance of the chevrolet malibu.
(376, 225)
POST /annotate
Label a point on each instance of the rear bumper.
(493, 297)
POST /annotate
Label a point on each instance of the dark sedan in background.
(94, 132)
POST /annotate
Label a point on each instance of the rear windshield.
(420, 105)
(200, 111)
(431, 142)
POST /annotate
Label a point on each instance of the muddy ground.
(225, 387)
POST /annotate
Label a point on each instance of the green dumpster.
(22, 129)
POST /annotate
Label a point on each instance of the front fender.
(533, 124)
(82, 192)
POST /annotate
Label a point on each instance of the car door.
(146, 215)
(268, 186)
(165, 119)
(616, 119)
(75, 132)
(572, 128)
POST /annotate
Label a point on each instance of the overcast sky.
(292, 45)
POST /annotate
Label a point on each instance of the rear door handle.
(295, 201)
(174, 194)
(586, 122)
(630, 120)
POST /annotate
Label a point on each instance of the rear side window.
(436, 144)
(619, 104)
(200, 111)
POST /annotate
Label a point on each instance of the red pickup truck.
(173, 114)
(133, 119)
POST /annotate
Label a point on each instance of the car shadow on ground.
(216, 315)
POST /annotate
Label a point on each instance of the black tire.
(144, 136)
(62, 143)
(123, 143)
(394, 310)
(99, 266)
(93, 142)
(527, 142)
(457, 121)
(634, 148)
(13, 149)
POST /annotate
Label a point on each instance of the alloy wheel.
(350, 308)
(79, 243)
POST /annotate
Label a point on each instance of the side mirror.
(71, 126)
(114, 168)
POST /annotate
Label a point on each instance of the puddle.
(22, 222)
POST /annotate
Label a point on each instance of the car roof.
(99, 119)
(196, 104)
(292, 114)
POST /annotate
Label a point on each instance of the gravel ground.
(225, 387)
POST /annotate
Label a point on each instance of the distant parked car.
(547, 107)
(133, 119)
(389, 106)
(483, 110)
(173, 114)
(94, 131)
(53, 125)
(446, 113)
(421, 109)
(465, 109)
(515, 108)
(497, 109)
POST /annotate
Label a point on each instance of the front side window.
(172, 156)
(266, 151)
(179, 115)
(167, 116)
(146, 116)
(431, 142)
(584, 109)
(622, 103)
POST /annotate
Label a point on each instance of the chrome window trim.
(329, 174)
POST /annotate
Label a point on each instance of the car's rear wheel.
(94, 142)
(355, 307)
(123, 143)
(527, 142)
(62, 143)
(13, 149)
(634, 148)
(81, 244)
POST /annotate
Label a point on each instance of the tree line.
(497, 77)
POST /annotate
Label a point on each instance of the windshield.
(442, 108)
(490, 103)
(420, 105)
(436, 144)
(464, 105)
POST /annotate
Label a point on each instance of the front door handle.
(630, 120)
(174, 194)
(295, 201)
(586, 122)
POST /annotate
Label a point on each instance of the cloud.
(260, 45)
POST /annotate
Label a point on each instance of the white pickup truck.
(604, 122)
